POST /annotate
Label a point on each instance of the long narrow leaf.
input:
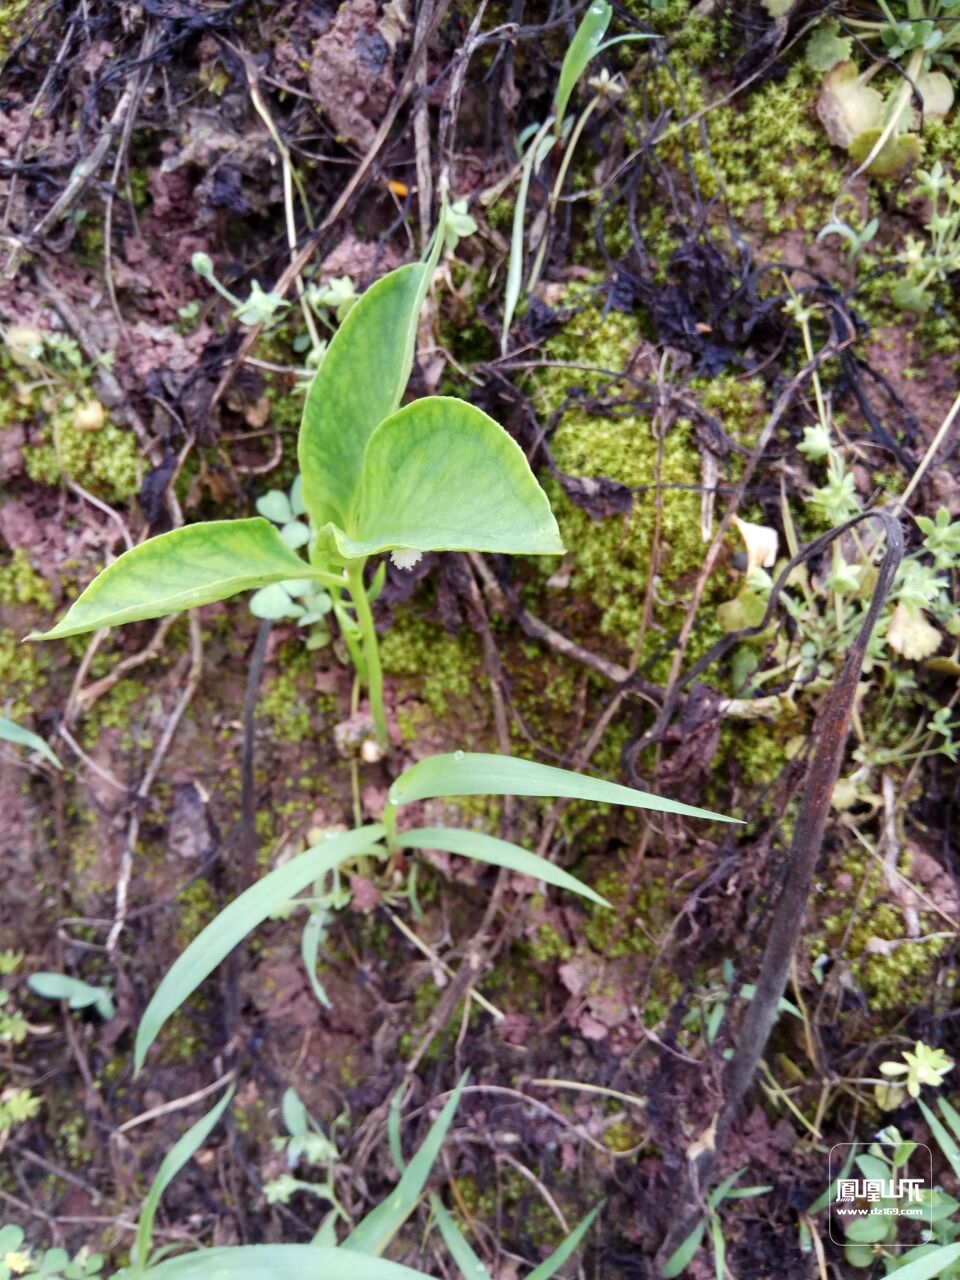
(232, 925)
(474, 774)
(684, 1253)
(947, 1145)
(374, 1233)
(563, 1251)
(584, 46)
(950, 1115)
(182, 569)
(182, 1151)
(933, 1265)
(531, 162)
(10, 731)
(501, 853)
(276, 1262)
(471, 1266)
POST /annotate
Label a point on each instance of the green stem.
(371, 649)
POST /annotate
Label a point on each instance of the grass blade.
(945, 1141)
(277, 1262)
(531, 161)
(563, 1251)
(584, 46)
(950, 1115)
(374, 1233)
(460, 1248)
(235, 921)
(683, 1255)
(931, 1266)
(500, 853)
(476, 774)
(182, 1151)
(10, 731)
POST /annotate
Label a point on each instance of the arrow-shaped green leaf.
(181, 570)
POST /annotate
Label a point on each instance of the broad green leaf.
(235, 921)
(442, 475)
(173, 1162)
(476, 774)
(583, 46)
(363, 375)
(461, 1251)
(563, 1251)
(873, 1229)
(275, 1262)
(181, 570)
(374, 1233)
(501, 853)
(684, 1253)
(10, 731)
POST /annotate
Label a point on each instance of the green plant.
(437, 474)
(302, 600)
(78, 995)
(50, 1264)
(537, 143)
(685, 1252)
(358, 1256)
(12, 732)
(929, 263)
(306, 1143)
(881, 131)
(256, 309)
(873, 1228)
(706, 1016)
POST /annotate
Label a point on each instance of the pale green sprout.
(257, 309)
(338, 295)
(458, 226)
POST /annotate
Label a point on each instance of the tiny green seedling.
(78, 995)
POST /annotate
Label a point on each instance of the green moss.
(287, 696)
(612, 558)
(115, 711)
(23, 673)
(105, 462)
(548, 944)
(21, 584)
(444, 666)
(197, 906)
(12, 25)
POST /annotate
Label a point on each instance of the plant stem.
(371, 649)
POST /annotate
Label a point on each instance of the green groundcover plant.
(437, 474)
